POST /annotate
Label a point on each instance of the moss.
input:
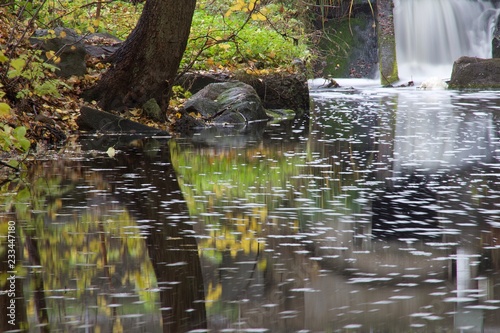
(339, 43)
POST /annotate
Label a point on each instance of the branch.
(9, 166)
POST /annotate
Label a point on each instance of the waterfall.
(432, 34)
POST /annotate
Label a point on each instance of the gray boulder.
(230, 102)
(69, 47)
(471, 72)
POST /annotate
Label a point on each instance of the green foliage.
(180, 92)
(246, 33)
(34, 72)
(227, 33)
(13, 138)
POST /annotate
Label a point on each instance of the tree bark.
(145, 66)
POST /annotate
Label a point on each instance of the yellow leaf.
(50, 54)
(136, 112)
(91, 30)
(4, 109)
(18, 64)
(258, 17)
(178, 115)
(3, 58)
(96, 22)
(62, 34)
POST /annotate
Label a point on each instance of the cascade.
(432, 34)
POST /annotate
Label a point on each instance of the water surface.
(379, 213)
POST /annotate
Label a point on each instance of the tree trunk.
(145, 66)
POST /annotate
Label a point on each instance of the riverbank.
(40, 102)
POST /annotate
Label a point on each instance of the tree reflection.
(174, 256)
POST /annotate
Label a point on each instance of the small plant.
(31, 74)
(14, 139)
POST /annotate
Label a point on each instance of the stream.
(378, 213)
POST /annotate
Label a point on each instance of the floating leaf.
(111, 152)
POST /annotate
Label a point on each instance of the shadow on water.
(380, 213)
(80, 270)
(147, 187)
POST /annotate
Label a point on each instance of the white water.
(432, 34)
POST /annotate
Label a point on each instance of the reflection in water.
(381, 214)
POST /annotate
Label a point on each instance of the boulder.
(230, 102)
(276, 90)
(69, 48)
(471, 72)
(280, 90)
(72, 48)
(95, 120)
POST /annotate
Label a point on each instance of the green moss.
(338, 45)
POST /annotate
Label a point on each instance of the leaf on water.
(111, 152)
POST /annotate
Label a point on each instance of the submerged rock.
(471, 72)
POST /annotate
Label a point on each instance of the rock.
(471, 72)
(230, 102)
(194, 82)
(101, 45)
(69, 47)
(276, 91)
(96, 120)
(280, 90)
(153, 110)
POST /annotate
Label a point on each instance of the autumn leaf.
(4, 109)
(3, 58)
(258, 17)
(111, 152)
(18, 64)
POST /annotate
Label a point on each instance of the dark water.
(380, 213)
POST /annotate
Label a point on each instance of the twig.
(9, 166)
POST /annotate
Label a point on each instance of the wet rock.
(471, 72)
(275, 90)
(228, 102)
